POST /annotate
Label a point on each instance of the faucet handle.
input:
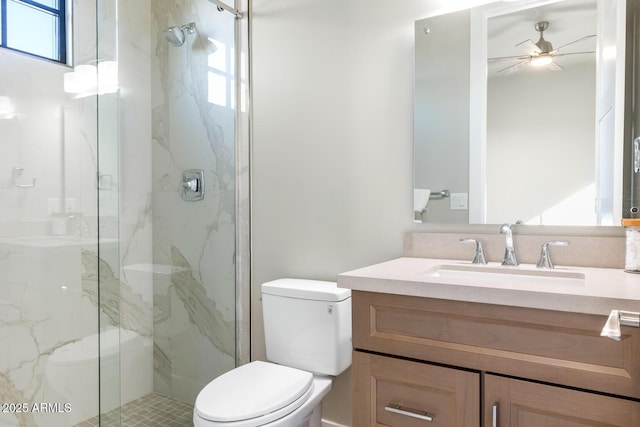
(545, 256)
(478, 258)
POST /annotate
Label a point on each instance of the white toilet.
(308, 338)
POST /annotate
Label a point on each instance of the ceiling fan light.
(541, 61)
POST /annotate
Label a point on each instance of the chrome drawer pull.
(409, 412)
(494, 415)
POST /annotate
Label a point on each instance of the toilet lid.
(251, 391)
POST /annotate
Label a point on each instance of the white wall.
(332, 142)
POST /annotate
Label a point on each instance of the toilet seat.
(253, 395)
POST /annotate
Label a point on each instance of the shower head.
(176, 36)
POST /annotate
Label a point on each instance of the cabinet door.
(515, 403)
(401, 393)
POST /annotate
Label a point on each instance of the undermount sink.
(485, 274)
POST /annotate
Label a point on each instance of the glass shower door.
(59, 326)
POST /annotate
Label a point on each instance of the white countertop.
(602, 289)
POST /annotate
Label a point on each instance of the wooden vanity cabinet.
(394, 392)
(457, 360)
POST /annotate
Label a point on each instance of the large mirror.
(519, 113)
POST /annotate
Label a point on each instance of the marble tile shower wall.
(193, 128)
(45, 303)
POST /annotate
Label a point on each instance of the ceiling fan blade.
(529, 47)
(512, 68)
(573, 42)
(507, 58)
(574, 53)
(554, 67)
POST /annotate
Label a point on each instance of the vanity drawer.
(551, 346)
(401, 393)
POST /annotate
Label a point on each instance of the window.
(36, 27)
(221, 76)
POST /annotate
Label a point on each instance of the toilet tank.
(307, 325)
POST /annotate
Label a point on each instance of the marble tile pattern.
(193, 127)
(47, 313)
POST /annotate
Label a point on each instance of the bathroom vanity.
(444, 343)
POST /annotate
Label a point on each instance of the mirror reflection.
(518, 114)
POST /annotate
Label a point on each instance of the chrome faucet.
(509, 252)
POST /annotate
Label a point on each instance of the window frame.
(61, 34)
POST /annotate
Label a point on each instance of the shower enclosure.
(124, 222)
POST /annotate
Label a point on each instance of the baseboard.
(327, 423)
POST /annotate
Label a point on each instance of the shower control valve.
(192, 187)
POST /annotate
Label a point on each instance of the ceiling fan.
(539, 54)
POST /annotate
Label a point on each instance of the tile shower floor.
(153, 410)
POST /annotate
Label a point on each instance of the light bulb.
(541, 60)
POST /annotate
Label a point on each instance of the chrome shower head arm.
(190, 28)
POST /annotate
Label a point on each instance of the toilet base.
(315, 419)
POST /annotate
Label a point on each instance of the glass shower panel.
(105, 182)
(115, 292)
(51, 310)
